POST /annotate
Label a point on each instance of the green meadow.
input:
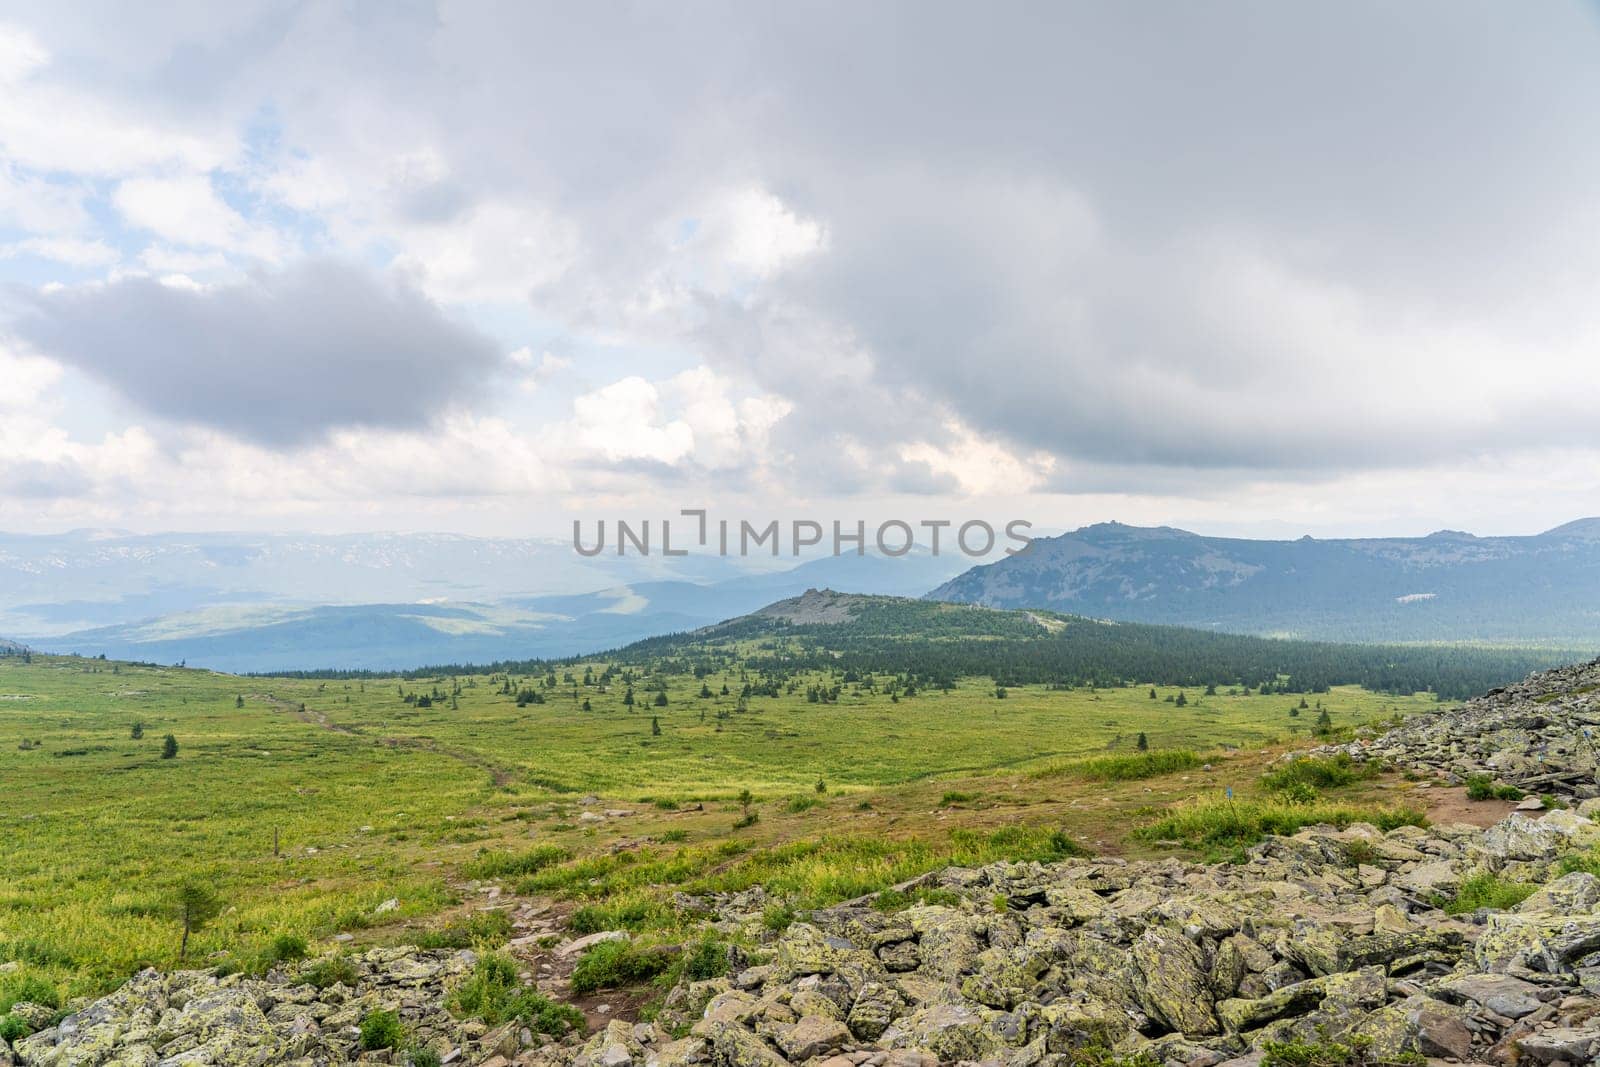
(374, 790)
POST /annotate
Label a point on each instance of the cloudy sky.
(1245, 267)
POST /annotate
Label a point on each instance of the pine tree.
(195, 906)
(169, 747)
(655, 726)
(1143, 744)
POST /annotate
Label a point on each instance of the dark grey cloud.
(280, 359)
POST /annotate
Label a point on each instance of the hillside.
(1448, 586)
(938, 642)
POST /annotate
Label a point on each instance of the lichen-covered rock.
(197, 1017)
(1171, 981)
(953, 1032)
(1567, 1044)
(1502, 994)
(813, 1035)
(734, 1046)
(1569, 895)
(1538, 942)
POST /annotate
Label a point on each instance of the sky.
(1252, 268)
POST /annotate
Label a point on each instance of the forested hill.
(1448, 586)
(937, 642)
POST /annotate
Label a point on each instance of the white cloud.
(538, 371)
(495, 252)
(624, 421)
(26, 379)
(188, 212)
(980, 465)
(74, 252)
(754, 232)
(20, 54)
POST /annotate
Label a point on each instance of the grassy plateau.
(307, 804)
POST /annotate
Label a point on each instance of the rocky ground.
(1538, 735)
(1325, 949)
(197, 1017)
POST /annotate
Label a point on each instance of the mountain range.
(385, 602)
(1447, 586)
(273, 602)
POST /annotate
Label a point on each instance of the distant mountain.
(929, 643)
(263, 636)
(62, 583)
(1448, 586)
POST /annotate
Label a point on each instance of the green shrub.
(628, 914)
(13, 1028)
(1360, 852)
(1487, 890)
(1298, 793)
(1318, 772)
(481, 929)
(286, 947)
(330, 971)
(381, 1029)
(616, 963)
(1588, 862)
(1096, 1054)
(892, 900)
(1062, 846)
(492, 993)
(798, 804)
(424, 1057)
(955, 798)
(1357, 1053)
(673, 836)
(1482, 787)
(707, 958)
(777, 917)
(27, 989)
(513, 864)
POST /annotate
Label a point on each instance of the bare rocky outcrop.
(1329, 935)
(1539, 735)
(200, 1017)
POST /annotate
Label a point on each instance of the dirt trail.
(499, 774)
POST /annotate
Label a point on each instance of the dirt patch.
(1450, 805)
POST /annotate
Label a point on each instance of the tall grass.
(1221, 823)
(501, 864)
(631, 890)
(1319, 772)
(1485, 890)
(1128, 768)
